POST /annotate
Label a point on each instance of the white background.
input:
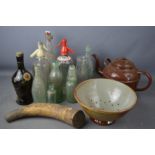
(77, 13)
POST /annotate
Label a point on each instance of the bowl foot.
(102, 122)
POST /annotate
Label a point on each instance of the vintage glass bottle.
(42, 62)
(64, 59)
(82, 68)
(71, 84)
(38, 87)
(22, 81)
(90, 61)
(51, 94)
(55, 78)
(49, 45)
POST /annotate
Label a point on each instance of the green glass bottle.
(90, 61)
(55, 78)
(71, 84)
(51, 94)
(38, 87)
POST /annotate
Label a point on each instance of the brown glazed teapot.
(123, 70)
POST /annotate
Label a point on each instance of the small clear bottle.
(71, 84)
(51, 94)
(38, 87)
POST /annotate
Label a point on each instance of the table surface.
(142, 116)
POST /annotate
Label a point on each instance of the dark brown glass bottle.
(22, 81)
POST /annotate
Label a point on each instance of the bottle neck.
(20, 62)
(72, 75)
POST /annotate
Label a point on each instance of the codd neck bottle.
(38, 87)
(22, 81)
(55, 78)
(71, 84)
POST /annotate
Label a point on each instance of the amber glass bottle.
(22, 81)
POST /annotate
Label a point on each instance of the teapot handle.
(97, 61)
(107, 61)
(149, 77)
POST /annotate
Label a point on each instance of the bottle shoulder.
(22, 75)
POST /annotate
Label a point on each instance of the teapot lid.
(123, 63)
(121, 69)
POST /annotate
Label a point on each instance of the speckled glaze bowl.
(105, 100)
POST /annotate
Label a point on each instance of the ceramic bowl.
(105, 100)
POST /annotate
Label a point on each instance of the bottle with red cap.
(64, 59)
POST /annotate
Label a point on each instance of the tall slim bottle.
(55, 79)
(22, 81)
(90, 61)
(42, 62)
(49, 45)
(38, 87)
(64, 59)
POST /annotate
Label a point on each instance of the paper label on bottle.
(27, 76)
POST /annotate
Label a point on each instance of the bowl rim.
(102, 110)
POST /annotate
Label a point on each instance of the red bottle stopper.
(64, 48)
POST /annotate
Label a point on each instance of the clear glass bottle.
(64, 59)
(90, 61)
(71, 84)
(82, 68)
(55, 78)
(42, 62)
(49, 45)
(22, 81)
(44, 66)
(51, 94)
(38, 87)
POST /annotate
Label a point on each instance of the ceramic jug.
(125, 71)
